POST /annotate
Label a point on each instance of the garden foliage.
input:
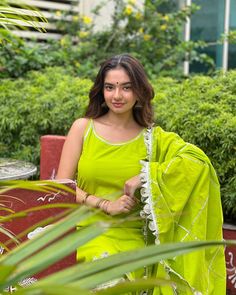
(11, 17)
(41, 103)
(201, 109)
(151, 33)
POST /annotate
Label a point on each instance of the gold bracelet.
(85, 198)
(100, 200)
(101, 205)
(105, 207)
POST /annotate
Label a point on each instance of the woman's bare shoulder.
(80, 125)
(78, 128)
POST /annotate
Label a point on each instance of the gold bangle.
(85, 198)
(105, 207)
(100, 200)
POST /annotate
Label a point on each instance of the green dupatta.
(181, 199)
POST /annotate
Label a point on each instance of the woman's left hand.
(131, 185)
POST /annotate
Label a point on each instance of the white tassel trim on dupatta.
(147, 212)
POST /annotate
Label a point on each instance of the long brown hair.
(143, 113)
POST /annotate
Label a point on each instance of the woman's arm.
(122, 205)
(71, 150)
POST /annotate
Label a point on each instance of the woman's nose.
(117, 94)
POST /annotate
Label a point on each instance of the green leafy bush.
(149, 33)
(201, 109)
(41, 103)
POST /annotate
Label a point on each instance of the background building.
(208, 24)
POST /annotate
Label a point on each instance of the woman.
(118, 155)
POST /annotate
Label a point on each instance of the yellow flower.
(147, 37)
(138, 16)
(63, 41)
(75, 18)
(140, 30)
(58, 13)
(128, 10)
(163, 27)
(166, 18)
(87, 20)
(132, 2)
(83, 34)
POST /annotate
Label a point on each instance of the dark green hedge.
(200, 109)
(42, 103)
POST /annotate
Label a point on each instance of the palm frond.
(16, 14)
(32, 257)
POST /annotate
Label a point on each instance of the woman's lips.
(117, 104)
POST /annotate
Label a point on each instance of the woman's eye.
(127, 88)
(108, 87)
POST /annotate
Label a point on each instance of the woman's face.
(118, 91)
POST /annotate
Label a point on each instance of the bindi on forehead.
(123, 83)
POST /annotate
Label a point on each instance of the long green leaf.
(5, 209)
(140, 258)
(3, 247)
(5, 271)
(7, 233)
(139, 285)
(55, 252)
(52, 290)
(26, 212)
(27, 15)
(31, 246)
(49, 220)
(37, 185)
(89, 275)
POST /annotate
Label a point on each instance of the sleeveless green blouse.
(104, 167)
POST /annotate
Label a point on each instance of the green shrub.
(42, 103)
(150, 34)
(200, 109)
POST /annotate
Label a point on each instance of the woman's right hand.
(122, 205)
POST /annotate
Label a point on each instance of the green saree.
(181, 199)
